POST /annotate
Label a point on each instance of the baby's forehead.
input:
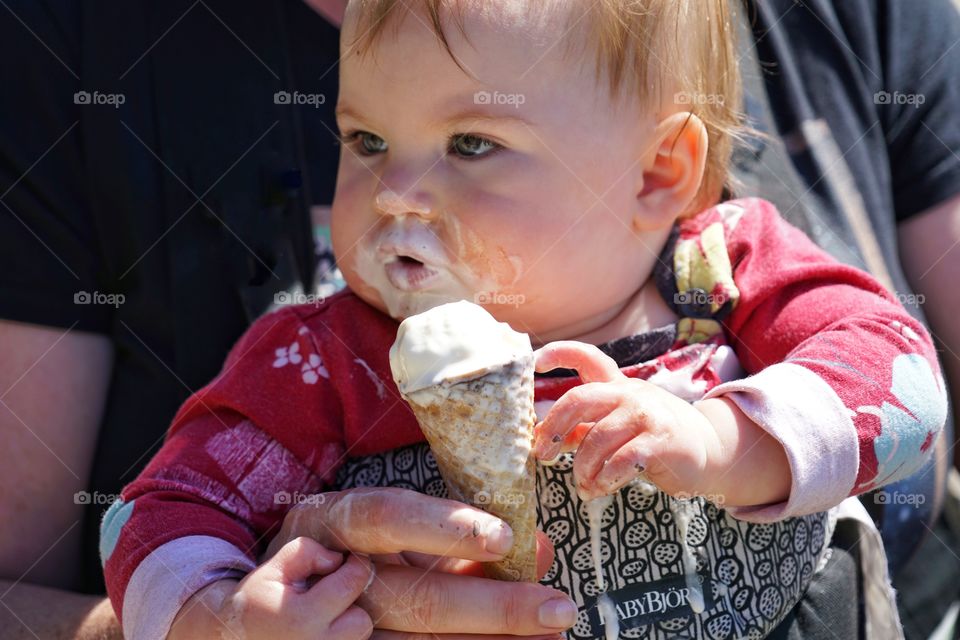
(545, 22)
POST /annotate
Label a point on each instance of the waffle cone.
(480, 431)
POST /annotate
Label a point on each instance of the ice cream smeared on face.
(452, 342)
(413, 267)
(408, 269)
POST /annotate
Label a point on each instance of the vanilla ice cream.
(452, 342)
(470, 383)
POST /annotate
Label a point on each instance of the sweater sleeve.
(233, 462)
(842, 376)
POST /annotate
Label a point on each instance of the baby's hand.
(282, 598)
(622, 427)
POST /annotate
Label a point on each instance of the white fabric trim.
(805, 414)
(170, 575)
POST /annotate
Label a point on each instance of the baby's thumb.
(302, 558)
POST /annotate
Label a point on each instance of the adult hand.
(425, 552)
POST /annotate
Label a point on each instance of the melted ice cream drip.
(682, 515)
(608, 610)
(595, 509)
(608, 616)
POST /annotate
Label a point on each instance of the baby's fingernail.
(499, 537)
(559, 613)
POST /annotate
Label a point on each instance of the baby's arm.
(206, 504)
(844, 378)
(638, 427)
(846, 394)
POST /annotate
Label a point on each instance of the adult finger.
(408, 599)
(381, 634)
(352, 624)
(391, 520)
(545, 556)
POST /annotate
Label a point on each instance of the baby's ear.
(672, 171)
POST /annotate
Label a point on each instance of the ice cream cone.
(480, 429)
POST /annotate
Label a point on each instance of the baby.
(564, 165)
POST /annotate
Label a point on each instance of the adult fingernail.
(559, 613)
(550, 453)
(499, 537)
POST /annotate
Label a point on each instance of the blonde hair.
(665, 52)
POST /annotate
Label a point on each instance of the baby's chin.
(399, 305)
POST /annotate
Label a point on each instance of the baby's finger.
(622, 467)
(600, 444)
(337, 592)
(299, 559)
(586, 403)
(592, 364)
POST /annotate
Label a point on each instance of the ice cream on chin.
(469, 381)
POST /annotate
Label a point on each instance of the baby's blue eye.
(467, 145)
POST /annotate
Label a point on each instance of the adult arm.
(31, 611)
(930, 255)
(52, 388)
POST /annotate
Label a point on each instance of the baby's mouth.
(407, 273)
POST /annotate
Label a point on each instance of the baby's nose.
(391, 203)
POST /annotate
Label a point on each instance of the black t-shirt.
(864, 95)
(103, 199)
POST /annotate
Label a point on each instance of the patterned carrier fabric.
(752, 574)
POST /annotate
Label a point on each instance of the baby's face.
(515, 188)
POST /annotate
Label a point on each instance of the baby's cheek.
(480, 253)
